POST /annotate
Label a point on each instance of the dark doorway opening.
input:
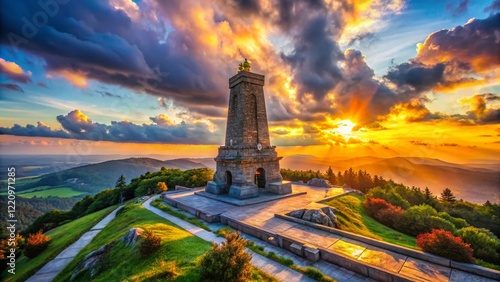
(229, 178)
(260, 178)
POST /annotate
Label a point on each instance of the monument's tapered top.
(245, 76)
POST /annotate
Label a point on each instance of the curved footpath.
(269, 266)
(50, 270)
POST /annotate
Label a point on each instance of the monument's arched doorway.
(260, 178)
(229, 179)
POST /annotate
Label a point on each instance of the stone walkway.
(50, 270)
(269, 266)
(261, 216)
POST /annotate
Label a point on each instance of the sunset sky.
(343, 78)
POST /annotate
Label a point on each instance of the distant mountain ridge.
(476, 182)
(95, 177)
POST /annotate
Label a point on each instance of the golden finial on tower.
(245, 66)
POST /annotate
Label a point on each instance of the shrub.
(374, 205)
(36, 244)
(443, 243)
(436, 222)
(149, 243)
(389, 195)
(49, 220)
(314, 273)
(415, 220)
(160, 187)
(458, 222)
(390, 217)
(485, 244)
(228, 261)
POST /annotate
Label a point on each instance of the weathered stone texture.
(319, 182)
(324, 216)
(247, 132)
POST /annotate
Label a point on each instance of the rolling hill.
(93, 178)
(476, 182)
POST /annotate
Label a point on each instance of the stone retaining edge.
(357, 266)
(467, 267)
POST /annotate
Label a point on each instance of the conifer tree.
(448, 196)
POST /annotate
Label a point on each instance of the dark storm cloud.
(473, 46)
(76, 125)
(40, 130)
(11, 86)
(360, 95)
(448, 59)
(315, 57)
(92, 38)
(416, 75)
(249, 6)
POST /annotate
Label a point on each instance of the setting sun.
(344, 128)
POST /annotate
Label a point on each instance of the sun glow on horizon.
(344, 128)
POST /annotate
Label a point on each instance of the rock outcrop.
(92, 262)
(324, 216)
(132, 236)
(319, 182)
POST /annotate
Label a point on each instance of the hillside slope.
(476, 182)
(95, 177)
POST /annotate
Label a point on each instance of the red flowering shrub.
(443, 243)
(383, 211)
(374, 205)
(390, 216)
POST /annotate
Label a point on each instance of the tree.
(428, 193)
(161, 187)
(448, 196)
(340, 179)
(121, 184)
(330, 175)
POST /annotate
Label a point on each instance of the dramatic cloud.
(479, 110)
(183, 51)
(149, 47)
(475, 45)
(14, 72)
(11, 86)
(450, 58)
(76, 125)
(413, 111)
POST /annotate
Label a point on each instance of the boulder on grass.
(92, 262)
(130, 239)
(319, 182)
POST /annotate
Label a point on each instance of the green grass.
(39, 188)
(20, 181)
(158, 203)
(352, 217)
(61, 237)
(178, 247)
(62, 192)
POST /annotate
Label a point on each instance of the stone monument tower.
(247, 162)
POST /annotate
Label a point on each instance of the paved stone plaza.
(262, 217)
